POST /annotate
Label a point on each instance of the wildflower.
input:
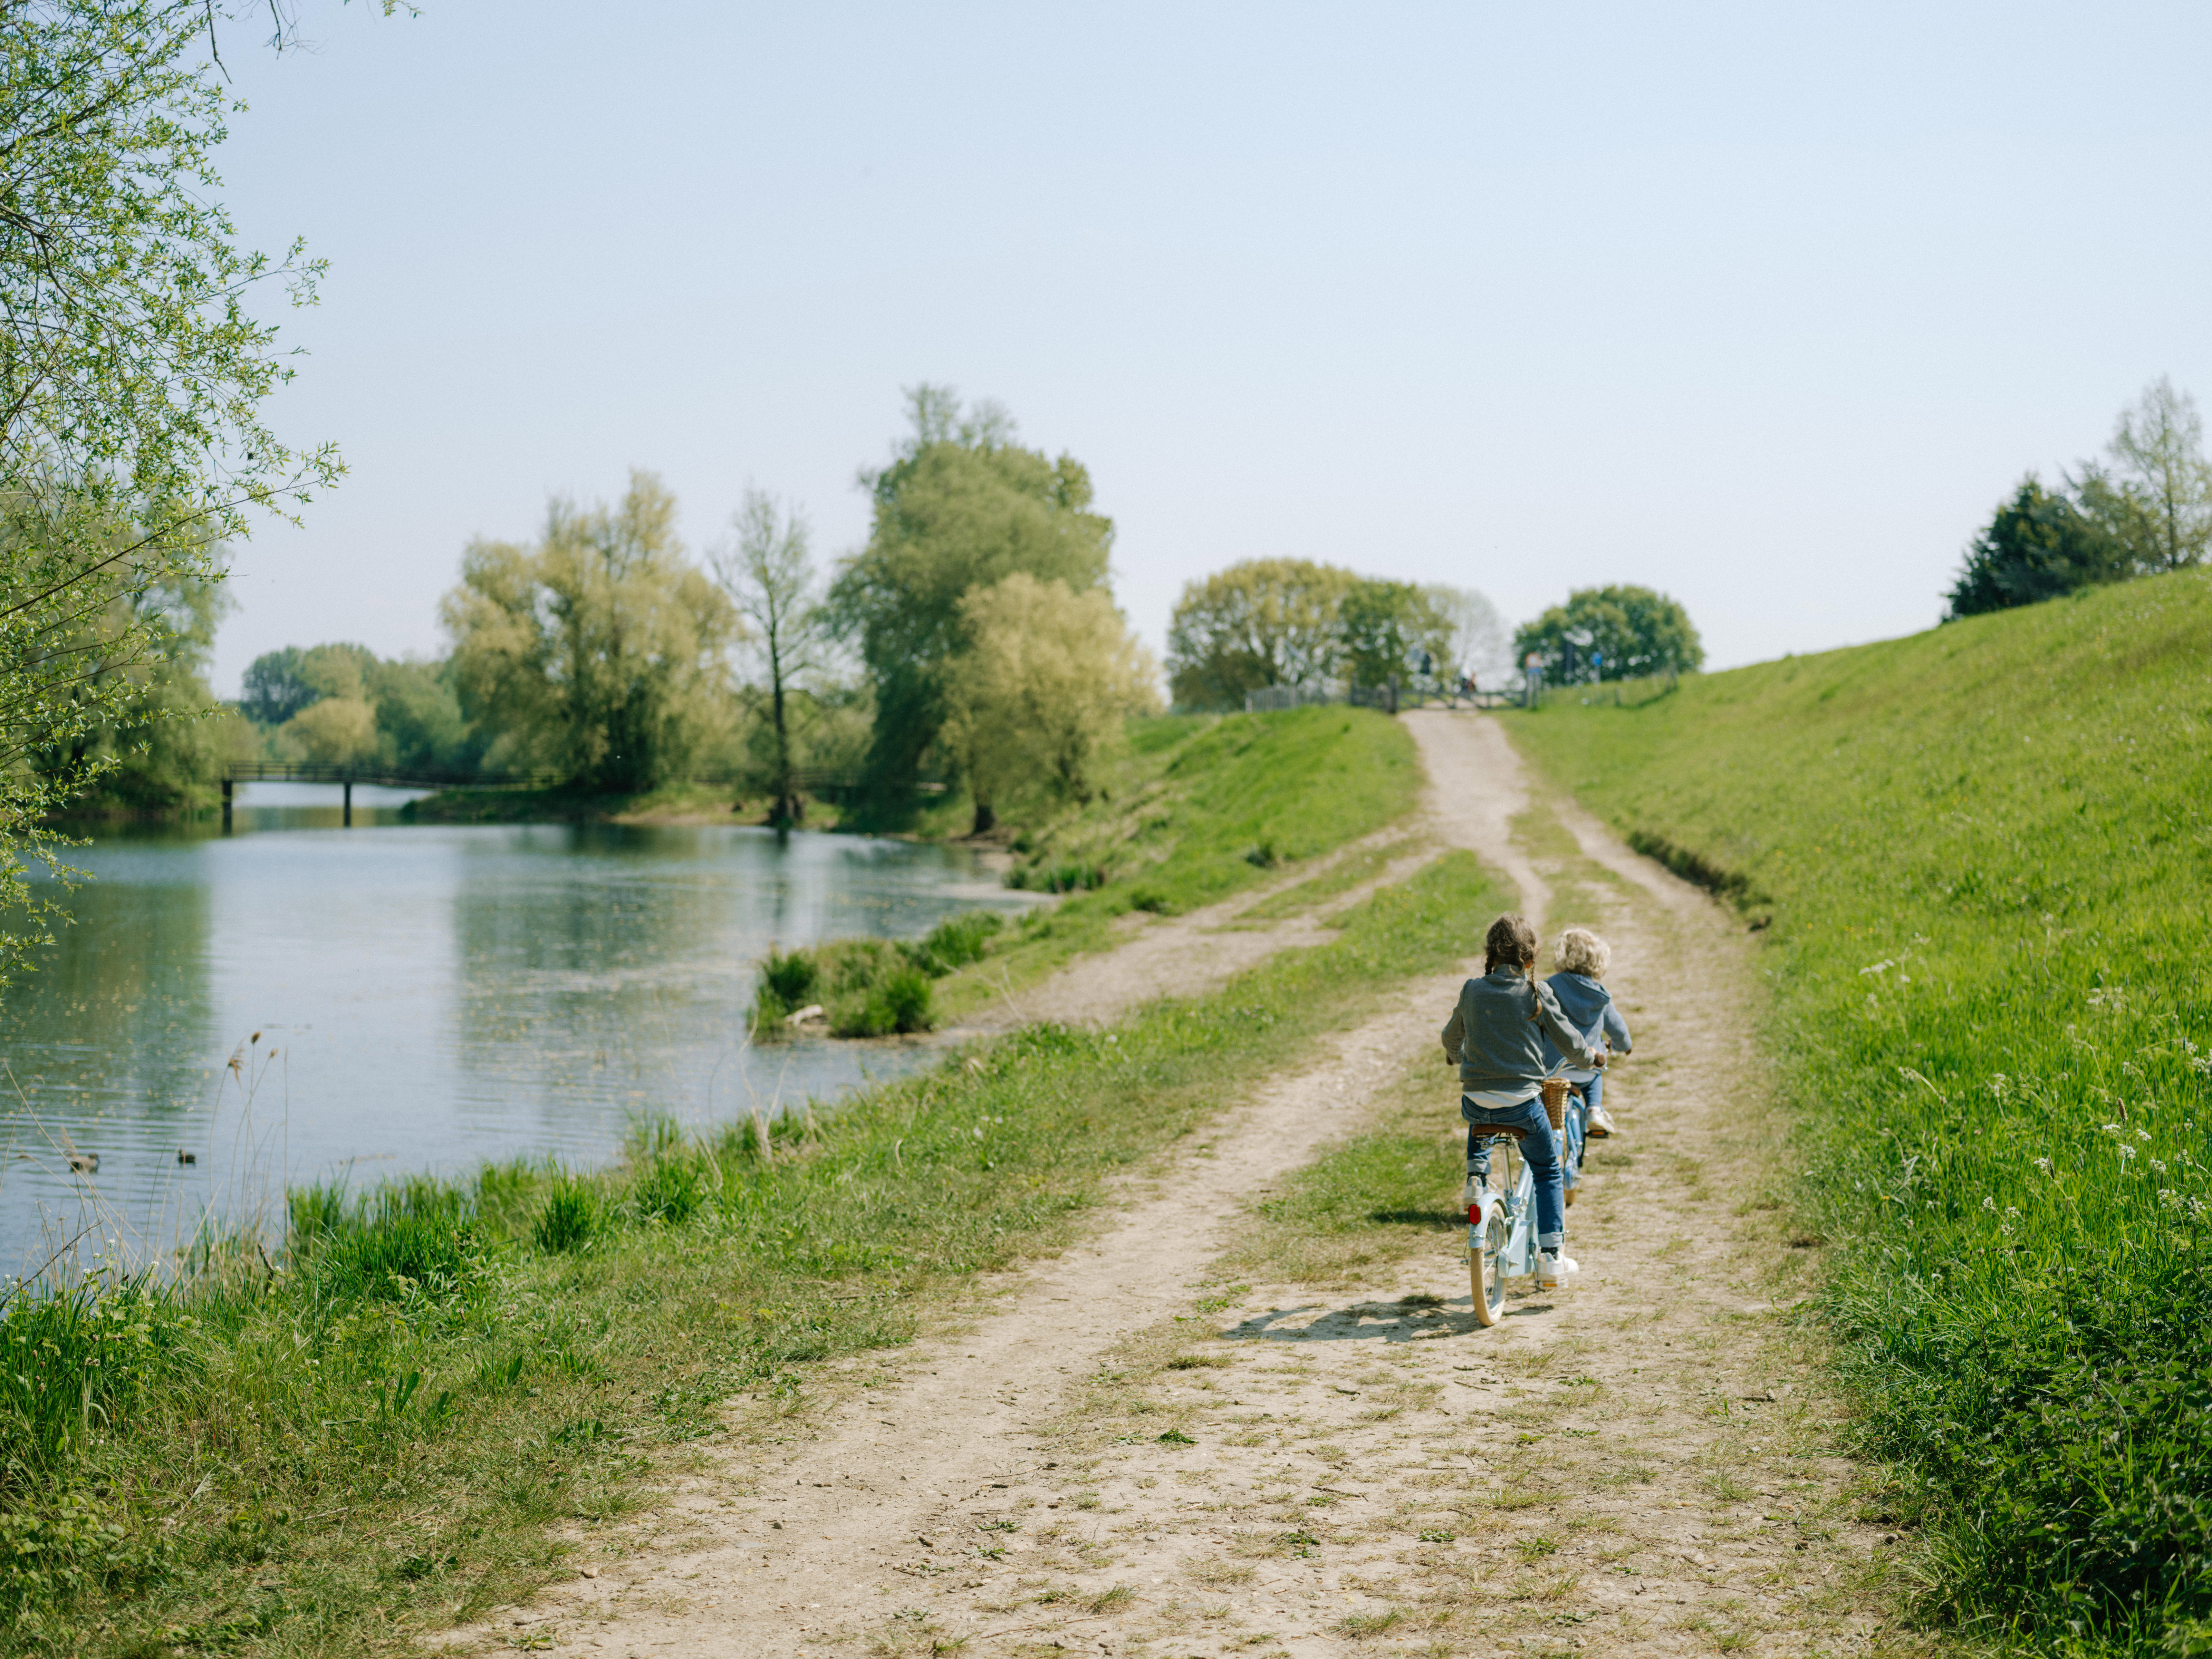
(2112, 1129)
(2157, 1164)
(2126, 1151)
(2142, 1134)
(1990, 1204)
(2043, 1165)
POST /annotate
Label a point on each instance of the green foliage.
(1393, 632)
(381, 1467)
(570, 1218)
(600, 652)
(1635, 632)
(131, 379)
(955, 942)
(2039, 545)
(961, 505)
(1983, 850)
(1264, 622)
(1038, 700)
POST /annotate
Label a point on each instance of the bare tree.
(2157, 494)
(768, 573)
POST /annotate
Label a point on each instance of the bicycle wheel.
(1487, 1272)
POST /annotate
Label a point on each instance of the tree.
(2037, 546)
(1264, 621)
(961, 505)
(163, 742)
(769, 576)
(1042, 689)
(131, 379)
(1477, 645)
(600, 652)
(1632, 631)
(2156, 498)
(1392, 632)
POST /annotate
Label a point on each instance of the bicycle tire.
(1487, 1272)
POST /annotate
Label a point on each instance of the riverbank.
(391, 1428)
(388, 1426)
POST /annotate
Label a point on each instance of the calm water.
(426, 997)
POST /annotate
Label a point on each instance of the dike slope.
(1983, 856)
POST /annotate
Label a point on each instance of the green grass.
(1202, 808)
(1983, 860)
(393, 1426)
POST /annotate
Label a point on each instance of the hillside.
(1982, 859)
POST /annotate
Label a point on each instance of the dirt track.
(1637, 1467)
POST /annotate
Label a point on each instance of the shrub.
(898, 1001)
(955, 942)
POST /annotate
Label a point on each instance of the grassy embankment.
(1985, 859)
(1196, 810)
(381, 1433)
(1201, 809)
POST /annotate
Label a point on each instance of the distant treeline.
(2146, 508)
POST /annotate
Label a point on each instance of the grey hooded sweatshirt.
(1496, 1036)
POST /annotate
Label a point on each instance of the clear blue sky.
(1762, 304)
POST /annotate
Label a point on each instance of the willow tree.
(132, 376)
(601, 651)
(1041, 690)
(961, 505)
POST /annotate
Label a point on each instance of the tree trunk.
(986, 820)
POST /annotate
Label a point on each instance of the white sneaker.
(1601, 1126)
(1553, 1272)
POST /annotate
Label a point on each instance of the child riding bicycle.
(1581, 957)
(1495, 1037)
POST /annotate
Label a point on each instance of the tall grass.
(394, 1425)
(1985, 856)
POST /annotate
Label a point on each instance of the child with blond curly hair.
(1581, 958)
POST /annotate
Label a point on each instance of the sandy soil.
(1640, 1466)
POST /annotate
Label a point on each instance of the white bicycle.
(1501, 1217)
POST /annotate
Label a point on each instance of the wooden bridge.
(826, 781)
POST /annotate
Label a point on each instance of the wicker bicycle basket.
(1555, 1102)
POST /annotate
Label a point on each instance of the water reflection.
(433, 995)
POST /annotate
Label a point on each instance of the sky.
(1763, 306)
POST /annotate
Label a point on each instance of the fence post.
(349, 803)
(226, 804)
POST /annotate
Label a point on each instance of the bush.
(898, 1001)
(955, 942)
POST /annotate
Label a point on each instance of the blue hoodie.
(1589, 1008)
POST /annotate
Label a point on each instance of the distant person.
(1582, 958)
(1497, 1039)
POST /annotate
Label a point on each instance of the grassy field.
(1203, 807)
(387, 1428)
(1983, 860)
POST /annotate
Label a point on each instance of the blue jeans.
(1540, 1146)
(1593, 1088)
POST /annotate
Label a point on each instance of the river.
(425, 998)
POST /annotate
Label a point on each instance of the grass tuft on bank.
(1983, 856)
(392, 1426)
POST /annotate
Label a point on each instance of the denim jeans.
(1540, 1146)
(1593, 1088)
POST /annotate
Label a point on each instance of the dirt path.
(1639, 1467)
